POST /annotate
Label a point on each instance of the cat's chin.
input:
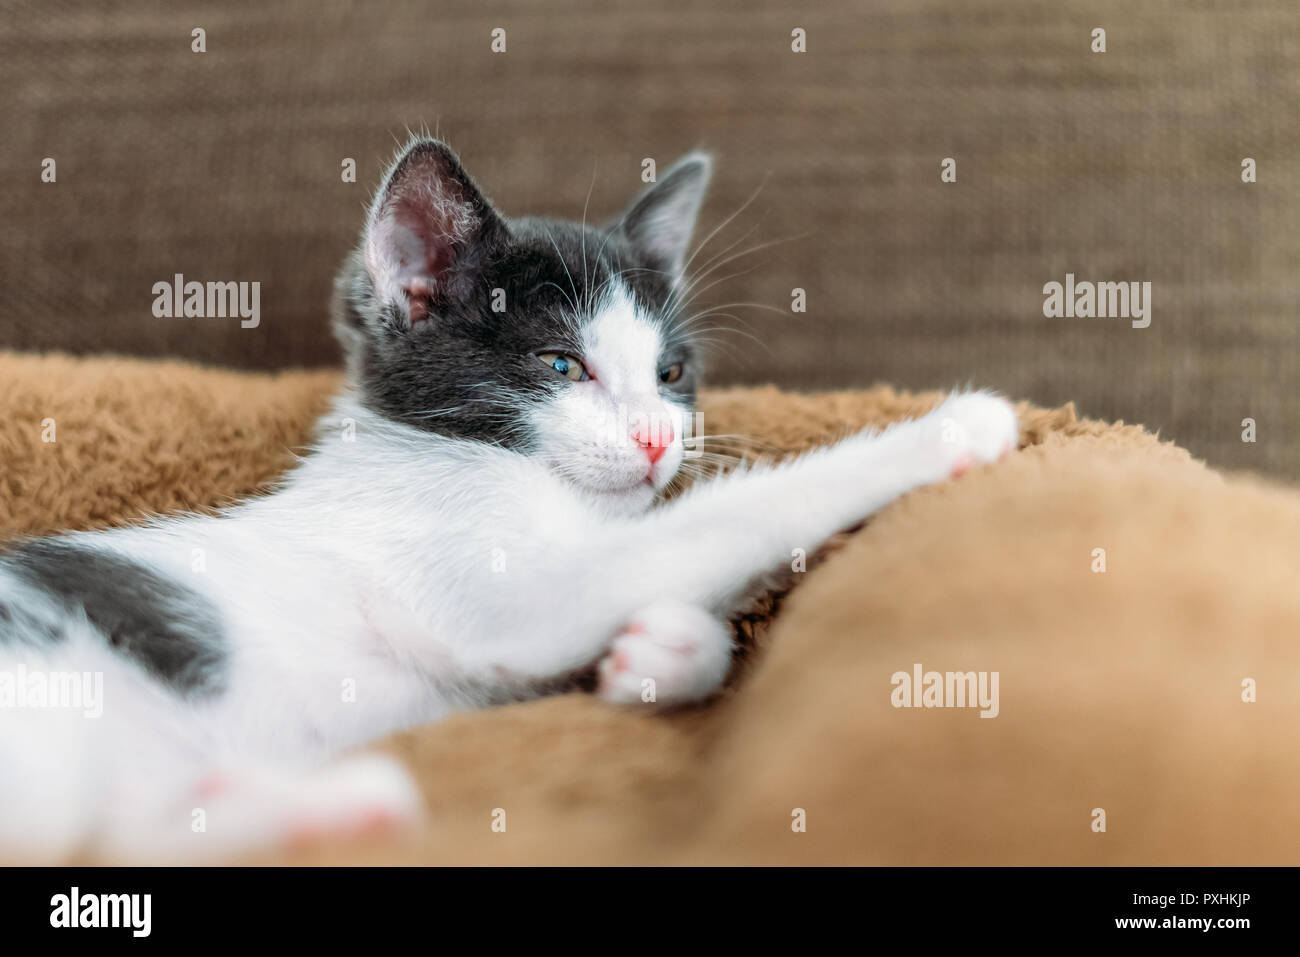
(628, 500)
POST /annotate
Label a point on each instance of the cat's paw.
(255, 809)
(974, 428)
(367, 795)
(671, 653)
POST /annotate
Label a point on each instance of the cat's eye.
(670, 374)
(565, 365)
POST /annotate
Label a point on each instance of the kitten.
(473, 527)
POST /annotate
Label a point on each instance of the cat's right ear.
(660, 223)
(423, 234)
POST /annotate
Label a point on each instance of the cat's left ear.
(425, 232)
(661, 221)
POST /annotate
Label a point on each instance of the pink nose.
(653, 441)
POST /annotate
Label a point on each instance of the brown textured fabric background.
(1115, 166)
(1118, 690)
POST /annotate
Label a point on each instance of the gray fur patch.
(172, 631)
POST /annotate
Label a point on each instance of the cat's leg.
(668, 653)
(134, 778)
(722, 538)
(257, 806)
(214, 812)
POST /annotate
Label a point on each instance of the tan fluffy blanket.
(1120, 690)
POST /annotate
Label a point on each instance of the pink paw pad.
(214, 784)
(366, 822)
(376, 822)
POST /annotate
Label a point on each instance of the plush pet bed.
(1119, 689)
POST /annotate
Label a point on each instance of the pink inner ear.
(419, 289)
(418, 293)
(412, 241)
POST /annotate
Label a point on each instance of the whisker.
(556, 247)
(722, 225)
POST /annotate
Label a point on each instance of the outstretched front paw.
(974, 428)
(671, 653)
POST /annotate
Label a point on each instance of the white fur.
(430, 575)
(587, 433)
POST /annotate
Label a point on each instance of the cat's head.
(556, 340)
